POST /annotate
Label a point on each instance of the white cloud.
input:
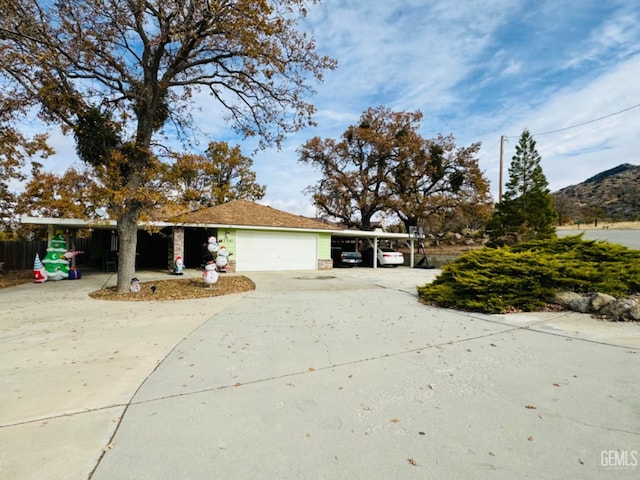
(477, 69)
(571, 156)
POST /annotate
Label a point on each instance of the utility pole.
(501, 168)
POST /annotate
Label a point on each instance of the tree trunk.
(127, 246)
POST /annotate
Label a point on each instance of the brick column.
(325, 264)
(176, 246)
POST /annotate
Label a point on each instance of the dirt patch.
(174, 289)
(179, 289)
(13, 278)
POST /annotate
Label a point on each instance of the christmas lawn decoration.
(135, 285)
(212, 245)
(222, 259)
(39, 272)
(178, 266)
(210, 275)
(55, 263)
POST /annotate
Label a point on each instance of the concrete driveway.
(338, 374)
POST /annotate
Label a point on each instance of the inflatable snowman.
(212, 245)
(222, 259)
(135, 285)
(210, 275)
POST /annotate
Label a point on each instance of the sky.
(566, 70)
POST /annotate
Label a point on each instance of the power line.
(581, 124)
(504, 137)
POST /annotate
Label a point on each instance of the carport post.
(374, 245)
(413, 233)
(375, 252)
(411, 247)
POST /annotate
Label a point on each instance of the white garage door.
(259, 251)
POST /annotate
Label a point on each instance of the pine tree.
(526, 212)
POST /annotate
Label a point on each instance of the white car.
(388, 257)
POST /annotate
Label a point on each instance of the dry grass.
(601, 225)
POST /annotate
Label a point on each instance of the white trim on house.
(80, 223)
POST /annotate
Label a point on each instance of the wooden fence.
(19, 255)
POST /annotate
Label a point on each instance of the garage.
(263, 250)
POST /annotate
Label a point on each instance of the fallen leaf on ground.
(179, 289)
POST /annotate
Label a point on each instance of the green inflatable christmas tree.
(55, 263)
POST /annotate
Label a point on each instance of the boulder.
(565, 298)
(580, 304)
(618, 310)
(600, 300)
(634, 312)
(601, 304)
(574, 301)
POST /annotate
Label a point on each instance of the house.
(257, 237)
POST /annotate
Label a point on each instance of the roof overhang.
(374, 234)
(78, 223)
(222, 226)
(81, 224)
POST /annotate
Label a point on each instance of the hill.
(612, 195)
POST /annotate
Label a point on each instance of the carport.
(372, 238)
(258, 237)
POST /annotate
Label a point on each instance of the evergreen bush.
(526, 276)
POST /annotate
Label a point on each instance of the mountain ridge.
(612, 194)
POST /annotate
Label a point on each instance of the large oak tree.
(383, 165)
(355, 169)
(15, 150)
(122, 76)
(434, 177)
(221, 175)
(74, 194)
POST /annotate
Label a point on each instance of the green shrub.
(526, 276)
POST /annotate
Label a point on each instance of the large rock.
(601, 304)
(634, 312)
(600, 300)
(574, 301)
(620, 310)
(565, 298)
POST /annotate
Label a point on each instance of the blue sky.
(477, 69)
